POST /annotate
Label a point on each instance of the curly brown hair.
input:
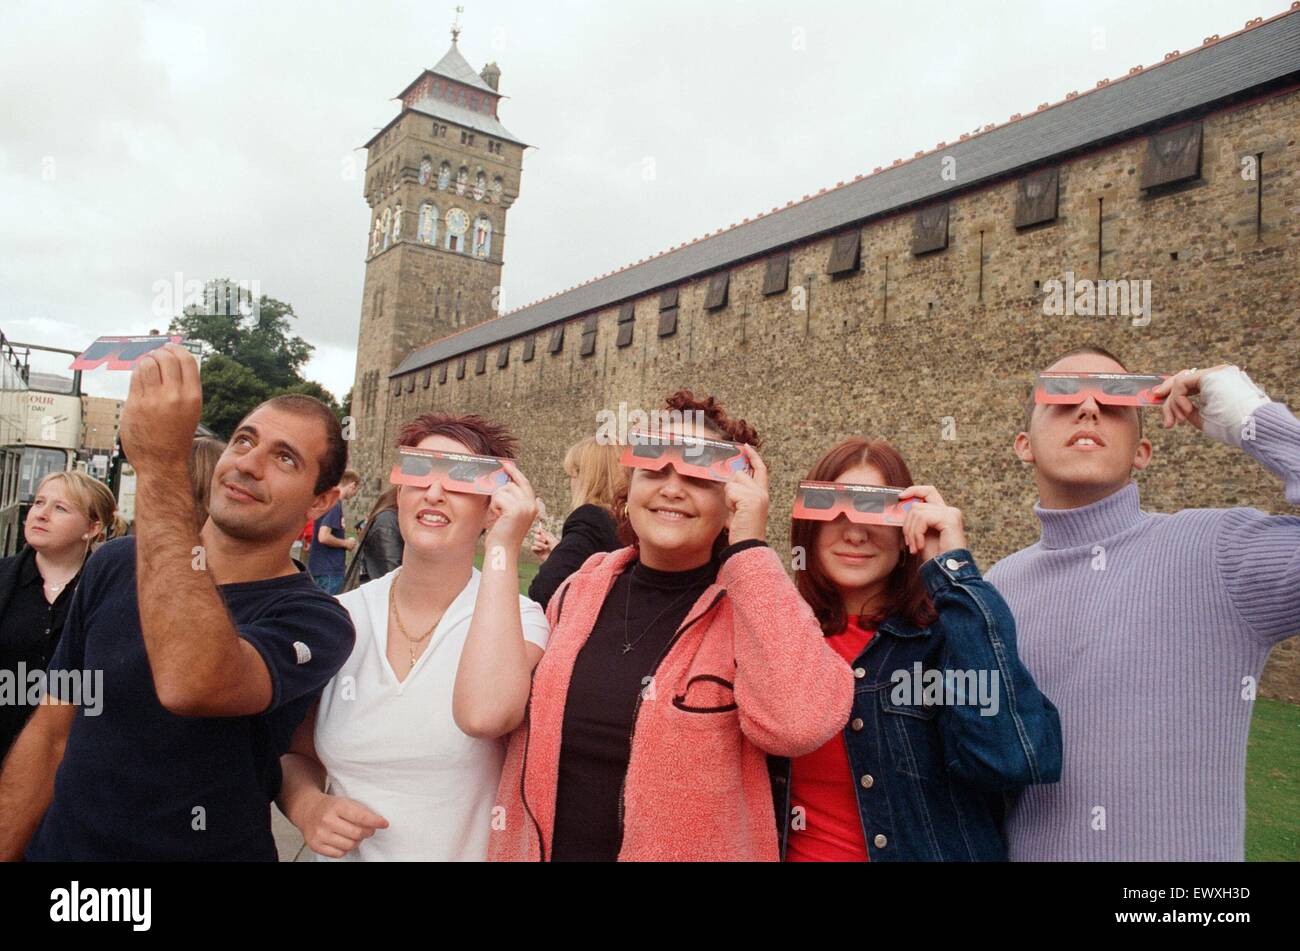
(721, 423)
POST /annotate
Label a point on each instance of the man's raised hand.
(162, 409)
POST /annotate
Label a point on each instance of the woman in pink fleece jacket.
(675, 666)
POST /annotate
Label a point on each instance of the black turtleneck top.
(600, 711)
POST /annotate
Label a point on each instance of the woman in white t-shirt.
(383, 768)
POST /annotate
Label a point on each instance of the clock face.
(457, 221)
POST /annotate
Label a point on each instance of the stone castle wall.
(916, 349)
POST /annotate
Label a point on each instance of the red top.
(828, 826)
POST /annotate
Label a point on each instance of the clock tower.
(440, 178)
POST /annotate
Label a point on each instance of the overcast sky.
(141, 140)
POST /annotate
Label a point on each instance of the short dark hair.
(335, 460)
(481, 436)
(1088, 348)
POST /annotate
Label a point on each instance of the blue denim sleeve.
(1000, 733)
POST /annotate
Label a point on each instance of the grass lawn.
(1272, 771)
(1273, 783)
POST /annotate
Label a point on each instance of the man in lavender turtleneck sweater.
(1148, 631)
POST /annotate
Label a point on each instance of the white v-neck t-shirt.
(393, 746)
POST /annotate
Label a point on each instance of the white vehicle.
(40, 431)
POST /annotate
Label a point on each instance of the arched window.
(427, 229)
(426, 170)
(482, 237)
(388, 225)
(444, 176)
(397, 222)
(497, 186)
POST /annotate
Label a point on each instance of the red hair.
(480, 436)
(720, 422)
(905, 593)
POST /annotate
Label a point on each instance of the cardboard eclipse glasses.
(1114, 389)
(121, 353)
(863, 504)
(457, 471)
(714, 459)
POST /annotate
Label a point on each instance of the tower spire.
(455, 26)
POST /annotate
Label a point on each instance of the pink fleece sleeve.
(793, 692)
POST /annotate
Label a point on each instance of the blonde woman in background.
(71, 514)
(595, 478)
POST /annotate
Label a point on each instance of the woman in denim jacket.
(945, 719)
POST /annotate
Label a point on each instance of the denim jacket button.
(857, 724)
(867, 782)
(953, 564)
(881, 841)
(859, 672)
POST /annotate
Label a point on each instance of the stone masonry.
(933, 352)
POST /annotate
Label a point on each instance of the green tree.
(270, 350)
(262, 340)
(230, 391)
(256, 356)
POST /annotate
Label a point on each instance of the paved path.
(288, 841)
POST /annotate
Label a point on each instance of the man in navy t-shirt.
(328, 556)
(211, 645)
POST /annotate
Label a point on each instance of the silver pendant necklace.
(629, 644)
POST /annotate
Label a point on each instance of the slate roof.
(453, 66)
(1265, 54)
(478, 121)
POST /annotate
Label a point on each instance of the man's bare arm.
(327, 538)
(200, 664)
(27, 780)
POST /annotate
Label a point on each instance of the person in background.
(327, 560)
(204, 453)
(379, 549)
(911, 778)
(70, 516)
(301, 547)
(595, 478)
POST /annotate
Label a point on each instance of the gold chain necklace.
(412, 642)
